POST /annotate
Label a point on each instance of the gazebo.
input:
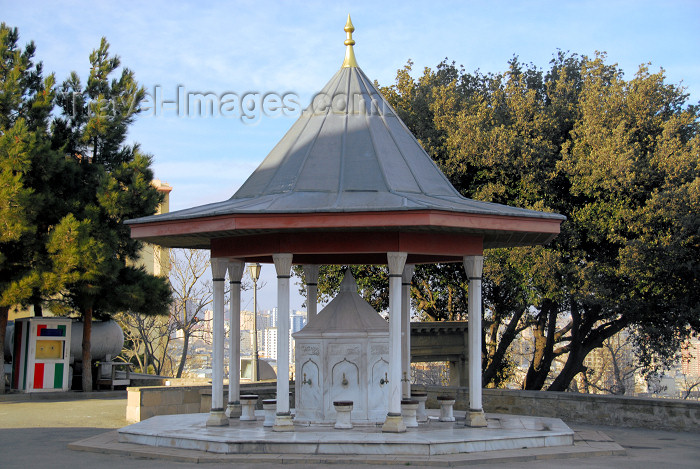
(347, 184)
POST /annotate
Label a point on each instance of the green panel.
(58, 376)
(62, 328)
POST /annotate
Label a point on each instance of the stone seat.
(343, 411)
(270, 407)
(408, 412)
(248, 403)
(446, 412)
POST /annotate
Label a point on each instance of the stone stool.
(421, 397)
(270, 408)
(408, 411)
(446, 403)
(343, 410)
(248, 403)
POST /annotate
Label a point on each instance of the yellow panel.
(49, 349)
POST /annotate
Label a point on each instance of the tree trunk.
(4, 314)
(544, 333)
(38, 310)
(183, 357)
(87, 357)
(572, 367)
(579, 350)
(507, 338)
(618, 380)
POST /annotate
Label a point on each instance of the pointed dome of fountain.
(348, 152)
(347, 312)
(348, 163)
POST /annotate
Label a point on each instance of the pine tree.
(91, 250)
(27, 164)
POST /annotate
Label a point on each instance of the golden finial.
(349, 52)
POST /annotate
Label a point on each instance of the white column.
(283, 265)
(235, 273)
(394, 422)
(311, 277)
(217, 417)
(473, 265)
(406, 330)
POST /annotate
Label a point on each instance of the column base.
(233, 410)
(283, 423)
(217, 418)
(393, 424)
(475, 418)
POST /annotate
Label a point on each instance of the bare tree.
(150, 339)
(147, 341)
(689, 386)
(192, 293)
(611, 369)
(430, 373)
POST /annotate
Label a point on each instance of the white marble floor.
(504, 432)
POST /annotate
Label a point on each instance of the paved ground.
(37, 433)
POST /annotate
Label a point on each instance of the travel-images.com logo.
(248, 107)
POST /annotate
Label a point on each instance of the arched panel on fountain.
(310, 389)
(378, 400)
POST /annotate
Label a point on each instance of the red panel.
(441, 243)
(39, 328)
(38, 376)
(339, 246)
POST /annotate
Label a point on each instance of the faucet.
(306, 381)
(344, 382)
(384, 380)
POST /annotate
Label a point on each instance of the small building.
(342, 355)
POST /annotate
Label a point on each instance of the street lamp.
(254, 270)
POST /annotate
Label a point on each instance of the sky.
(242, 51)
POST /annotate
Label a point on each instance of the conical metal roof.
(348, 152)
(348, 163)
(348, 312)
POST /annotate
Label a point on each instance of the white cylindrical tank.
(106, 338)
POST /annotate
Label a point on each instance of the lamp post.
(255, 275)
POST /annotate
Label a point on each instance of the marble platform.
(504, 432)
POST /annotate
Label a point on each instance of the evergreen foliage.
(67, 185)
(27, 168)
(91, 249)
(619, 157)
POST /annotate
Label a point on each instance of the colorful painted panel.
(49, 349)
(42, 330)
(58, 376)
(38, 376)
(40, 354)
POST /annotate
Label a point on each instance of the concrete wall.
(145, 402)
(622, 411)
(670, 414)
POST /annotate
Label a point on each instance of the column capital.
(396, 262)
(407, 275)
(311, 273)
(473, 266)
(235, 270)
(283, 264)
(218, 268)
